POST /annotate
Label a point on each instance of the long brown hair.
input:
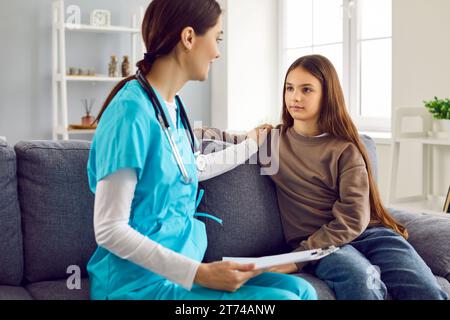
(163, 23)
(335, 120)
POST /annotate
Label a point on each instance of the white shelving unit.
(60, 79)
(427, 201)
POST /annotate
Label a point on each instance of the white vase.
(447, 124)
(442, 129)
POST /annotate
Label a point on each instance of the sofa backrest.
(57, 207)
(11, 248)
(247, 203)
(372, 153)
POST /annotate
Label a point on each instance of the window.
(356, 35)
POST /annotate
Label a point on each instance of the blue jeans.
(378, 261)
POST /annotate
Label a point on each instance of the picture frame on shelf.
(101, 18)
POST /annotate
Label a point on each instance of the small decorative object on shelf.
(440, 109)
(64, 71)
(112, 70)
(125, 67)
(447, 202)
(87, 119)
(101, 18)
(81, 72)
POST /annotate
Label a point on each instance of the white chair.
(399, 135)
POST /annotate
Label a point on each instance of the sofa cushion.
(323, 290)
(247, 204)
(11, 249)
(371, 152)
(14, 293)
(57, 207)
(429, 234)
(57, 290)
(445, 285)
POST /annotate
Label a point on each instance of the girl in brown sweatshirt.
(328, 196)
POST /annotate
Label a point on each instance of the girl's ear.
(188, 38)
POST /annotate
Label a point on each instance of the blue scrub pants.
(266, 286)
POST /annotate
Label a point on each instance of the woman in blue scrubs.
(150, 244)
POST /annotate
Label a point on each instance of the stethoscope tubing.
(165, 124)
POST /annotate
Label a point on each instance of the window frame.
(351, 81)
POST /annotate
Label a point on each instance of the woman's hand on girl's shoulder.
(259, 134)
(225, 275)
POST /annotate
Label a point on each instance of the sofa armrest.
(429, 234)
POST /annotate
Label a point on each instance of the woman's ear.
(188, 38)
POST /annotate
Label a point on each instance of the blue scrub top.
(163, 207)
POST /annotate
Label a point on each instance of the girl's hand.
(286, 268)
(259, 134)
(225, 275)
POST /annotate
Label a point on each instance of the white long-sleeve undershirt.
(113, 197)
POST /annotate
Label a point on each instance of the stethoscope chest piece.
(200, 162)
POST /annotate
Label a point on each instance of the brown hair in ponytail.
(335, 120)
(163, 23)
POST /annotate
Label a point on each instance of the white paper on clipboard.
(277, 260)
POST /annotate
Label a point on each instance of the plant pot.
(87, 120)
(442, 129)
(447, 125)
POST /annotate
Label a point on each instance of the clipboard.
(281, 259)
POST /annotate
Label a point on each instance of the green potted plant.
(440, 109)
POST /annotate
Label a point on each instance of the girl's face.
(204, 51)
(303, 95)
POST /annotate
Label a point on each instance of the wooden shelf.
(61, 81)
(110, 29)
(84, 131)
(98, 78)
(62, 131)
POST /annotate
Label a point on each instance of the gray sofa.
(46, 224)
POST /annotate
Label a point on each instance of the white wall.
(25, 55)
(247, 72)
(219, 77)
(421, 69)
(243, 78)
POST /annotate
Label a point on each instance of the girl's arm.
(352, 209)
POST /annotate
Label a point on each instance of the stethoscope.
(162, 118)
